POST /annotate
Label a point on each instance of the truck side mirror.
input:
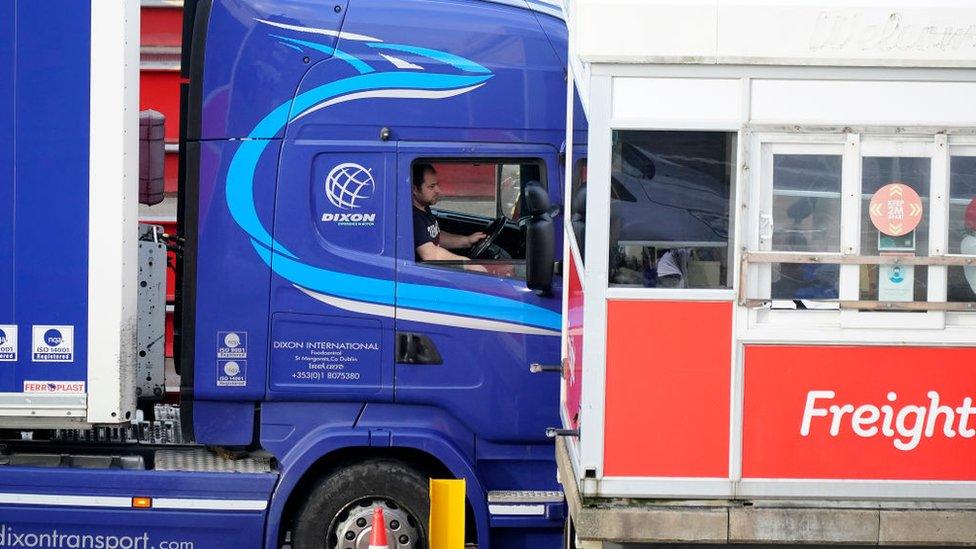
(152, 156)
(540, 239)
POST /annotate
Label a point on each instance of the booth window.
(806, 218)
(876, 172)
(962, 226)
(870, 224)
(671, 196)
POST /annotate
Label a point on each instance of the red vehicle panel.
(160, 90)
(162, 26)
(171, 172)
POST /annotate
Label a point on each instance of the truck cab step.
(523, 502)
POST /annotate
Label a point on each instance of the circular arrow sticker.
(896, 209)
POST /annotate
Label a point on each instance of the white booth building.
(771, 262)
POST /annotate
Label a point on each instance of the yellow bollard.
(446, 514)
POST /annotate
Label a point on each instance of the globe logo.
(53, 338)
(347, 184)
(3, 337)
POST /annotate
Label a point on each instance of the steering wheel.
(493, 230)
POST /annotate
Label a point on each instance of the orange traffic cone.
(377, 538)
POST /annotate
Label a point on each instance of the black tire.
(378, 478)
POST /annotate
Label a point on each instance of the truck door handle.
(414, 348)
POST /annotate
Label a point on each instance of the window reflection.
(669, 211)
(806, 218)
(962, 226)
(577, 207)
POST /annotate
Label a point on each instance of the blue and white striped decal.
(424, 303)
(548, 7)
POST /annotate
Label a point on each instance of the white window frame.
(885, 147)
(852, 326)
(958, 146)
(727, 293)
(761, 232)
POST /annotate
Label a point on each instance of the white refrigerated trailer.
(770, 328)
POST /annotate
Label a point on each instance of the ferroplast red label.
(870, 413)
(74, 387)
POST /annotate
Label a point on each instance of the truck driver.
(430, 242)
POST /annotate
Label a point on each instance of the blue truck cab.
(330, 367)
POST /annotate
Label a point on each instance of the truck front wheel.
(338, 513)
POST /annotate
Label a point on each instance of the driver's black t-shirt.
(425, 228)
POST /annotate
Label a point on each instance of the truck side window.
(469, 207)
(670, 200)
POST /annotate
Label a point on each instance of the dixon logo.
(347, 186)
(350, 219)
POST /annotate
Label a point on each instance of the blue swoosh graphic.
(240, 174)
(239, 191)
(360, 66)
(410, 296)
(447, 58)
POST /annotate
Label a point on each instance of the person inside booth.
(968, 244)
(803, 281)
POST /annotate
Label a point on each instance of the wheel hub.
(353, 526)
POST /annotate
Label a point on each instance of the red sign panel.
(870, 413)
(896, 209)
(668, 376)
